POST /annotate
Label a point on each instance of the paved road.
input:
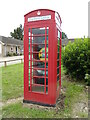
(2, 59)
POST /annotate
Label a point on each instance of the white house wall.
(0, 49)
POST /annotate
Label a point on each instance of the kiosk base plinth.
(38, 103)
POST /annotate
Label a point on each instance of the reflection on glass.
(29, 32)
(37, 88)
(29, 40)
(57, 55)
(39, 80)
(58, 84)
(39, 40)
(57, 71)
(46, 90)
(58, 34)
(37, 31)
(40, 72)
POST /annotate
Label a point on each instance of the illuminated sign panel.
(47, 17)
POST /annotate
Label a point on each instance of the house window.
(11, 49)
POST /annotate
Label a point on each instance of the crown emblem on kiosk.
(38, 13)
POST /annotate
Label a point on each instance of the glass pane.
(37, 31)
(38, 52)
(39, 40)
(29, 40)
(40, 72)
(58, 84)
(57, 63)
(57, 71)
(29, 47)
(38, 47)
(58, 78)
(46, 90)
(37, 59)
(58, 34)
(57, 55)
(29, 63)
(47, 39)
(29, 71)
(29, 32)
(37, 88)
(29, 78)
(38, 80)
(59, 41)
(38, 63)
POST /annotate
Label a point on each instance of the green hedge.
(75, 58)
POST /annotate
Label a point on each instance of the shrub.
(75, 58)
(9, 54)
(20, 54)
(87, 79)
(14, 54)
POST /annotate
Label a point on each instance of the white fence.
(12, 61)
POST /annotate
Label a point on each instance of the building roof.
(66, 40)
(10, 41)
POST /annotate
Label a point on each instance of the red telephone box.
(42, 57)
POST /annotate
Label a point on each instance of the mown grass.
(12, 81)
(73, 90)
(12, 77)
(18, 111)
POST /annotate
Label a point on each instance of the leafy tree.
(64, 35)
(18, 33)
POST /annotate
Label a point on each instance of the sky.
(74, 15)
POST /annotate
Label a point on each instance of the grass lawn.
(12, 81)
(18, 111)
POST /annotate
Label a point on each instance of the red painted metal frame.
(45, 58)
(52, 95)
(31, 62)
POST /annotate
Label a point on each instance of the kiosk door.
(38, 59)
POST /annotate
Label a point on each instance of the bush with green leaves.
(9, 54)
(75, 58)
